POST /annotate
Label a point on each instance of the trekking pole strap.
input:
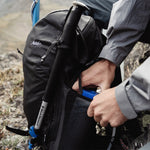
(35, 11)
(18, 131)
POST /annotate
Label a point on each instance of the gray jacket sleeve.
(128, 21)
(133, 95)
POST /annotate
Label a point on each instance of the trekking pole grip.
(72, 22)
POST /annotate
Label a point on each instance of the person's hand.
(101, 74)
(104, 108)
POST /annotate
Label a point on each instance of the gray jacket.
(128, 21)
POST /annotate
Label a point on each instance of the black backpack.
(66, 125)
(41, 48)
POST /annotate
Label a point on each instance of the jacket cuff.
(110, 54)
(124, 102)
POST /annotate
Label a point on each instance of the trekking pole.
(68, 33)
(35, 11)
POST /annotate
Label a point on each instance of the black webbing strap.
(18, 131)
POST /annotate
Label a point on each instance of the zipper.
(52, 48)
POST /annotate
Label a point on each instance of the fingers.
(103, 123)
(76, 86)
(94, 112)
(99, 74)
(105, 109)
(117, 121)
(90, 111)
(97, 117)
(102, 85)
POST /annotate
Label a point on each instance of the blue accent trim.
(32, 132)
(35, 12)
(30, 145)
(89, 94)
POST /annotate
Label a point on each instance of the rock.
(133, 59)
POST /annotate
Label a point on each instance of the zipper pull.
(51, 48)
(43, 58)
